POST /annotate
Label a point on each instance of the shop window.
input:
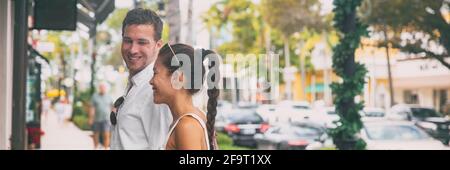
(411, 97)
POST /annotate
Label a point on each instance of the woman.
(191, 129)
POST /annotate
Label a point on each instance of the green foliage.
(81, 122)
(346, 133)
(226, 143)
(291, 16)
(247, 22)
(80, 110)
(412, 16)
(241, 18)
(115, 20)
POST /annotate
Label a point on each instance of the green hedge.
(226, 143)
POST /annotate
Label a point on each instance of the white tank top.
(195, 117)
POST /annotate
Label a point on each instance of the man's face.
(139, 47)
(102, 89)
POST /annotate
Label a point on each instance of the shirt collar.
(143, 76)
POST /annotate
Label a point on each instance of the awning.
(315, 88)
(101, 9)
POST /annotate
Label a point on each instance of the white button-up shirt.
(141, 124)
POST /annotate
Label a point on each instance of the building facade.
(6, 62)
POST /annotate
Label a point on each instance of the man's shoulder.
(94, 97)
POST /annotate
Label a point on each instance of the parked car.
(397, 135)
(325, 116)
(288, 111)
(433, 122)
(268, 112)
(373, 112)
(223, 104)
(290, 136)
(242, 125)
(223, 109)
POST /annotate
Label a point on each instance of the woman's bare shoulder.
(188, 133)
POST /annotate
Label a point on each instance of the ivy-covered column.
(345, 135)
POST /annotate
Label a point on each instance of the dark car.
(433, 122)
(242, 125)
(293, 136)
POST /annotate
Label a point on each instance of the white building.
(425, 82)
(6, 63)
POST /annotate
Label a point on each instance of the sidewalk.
(63, 135)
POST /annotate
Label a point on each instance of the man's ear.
(159, 44)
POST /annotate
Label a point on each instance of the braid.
(211, 116)
(213, 94)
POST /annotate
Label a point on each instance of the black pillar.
(19, 74)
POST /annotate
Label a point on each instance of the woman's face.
(161, 83)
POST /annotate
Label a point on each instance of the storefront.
(422, 82)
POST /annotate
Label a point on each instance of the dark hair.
(140, 16)
(166, 55)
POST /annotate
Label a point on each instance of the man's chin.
(134, 69)
(157, 102)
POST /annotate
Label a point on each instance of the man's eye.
(143, 42)
(127, 41)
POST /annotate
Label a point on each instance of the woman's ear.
(177, 79)
(181, 76)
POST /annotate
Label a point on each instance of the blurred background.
(54, 54)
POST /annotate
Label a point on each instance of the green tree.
(241, 18)
(292, 16)
(114, 24)
(352, 74)
(428, 18)
(115, 20)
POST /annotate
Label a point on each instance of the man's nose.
(134, 48)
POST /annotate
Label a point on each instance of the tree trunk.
(302, 71)
(287, 65)
(349, 65)
(174, 20)
(189, 36)
(92, 46)
(391, 90)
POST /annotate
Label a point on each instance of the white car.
(397, 135)
(372, 113)
(289, 111)
(267, 112)
(325, 116)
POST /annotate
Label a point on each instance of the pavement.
(62, 134)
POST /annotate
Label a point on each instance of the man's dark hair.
(140, 16)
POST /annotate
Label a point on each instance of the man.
(101, 106)
(139, 123)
